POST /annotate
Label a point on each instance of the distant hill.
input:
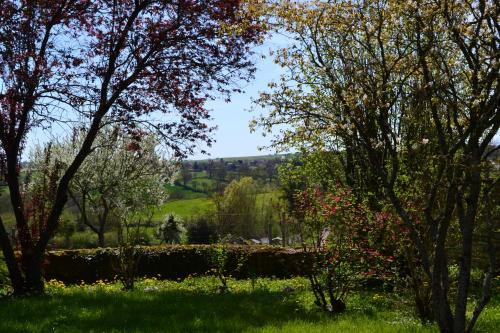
(246, 158)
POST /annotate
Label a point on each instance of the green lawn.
(193, 306)
(190, 306)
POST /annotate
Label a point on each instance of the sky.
(233, 137)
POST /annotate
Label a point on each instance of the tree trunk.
(102, 222)
(32, 266)
(16, 277)
(101, 240)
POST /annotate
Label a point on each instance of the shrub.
(175, 262)
(4, 274)
(84, 240)
(342, 239)
(219, 258)
(176, 194)
(125, 265)
(171, 230)
(201, 230)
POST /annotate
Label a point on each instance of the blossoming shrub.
(345, 242)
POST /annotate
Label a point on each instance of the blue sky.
(233, 137)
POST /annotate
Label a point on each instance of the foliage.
(218, 257)
(120, 171)
(126, 267)
(171, 230)
(235, 208)
(219, 261)
(38, 185)
(4, 275)
(409, 94)
(344, 242)
(174, 262)
(321, 168)
(80, 64)
(201, 230)
(130, 236)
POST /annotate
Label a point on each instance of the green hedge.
(174, 262)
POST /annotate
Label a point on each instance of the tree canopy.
(80, 63)
(409, 93)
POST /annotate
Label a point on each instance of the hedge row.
(174, 262)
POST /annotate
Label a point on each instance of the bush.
(4, 274)
(344, 243)
(219, 258)
(170, 230)
(201, 230)
(176, 194)
(174, 262)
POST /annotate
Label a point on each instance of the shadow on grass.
(160, 311)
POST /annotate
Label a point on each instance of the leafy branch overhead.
(144, 64)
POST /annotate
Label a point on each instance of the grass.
(185, 208)
(193, 305)
(186, 193)
(188, 306)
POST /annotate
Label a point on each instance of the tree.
(186, 175)
(235, 208)
(171, 230)
(119, 172)
(201, 230)
(410, 93)
(127, 61)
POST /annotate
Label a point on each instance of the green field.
(185, 193)
(192, 204)
(185, 208)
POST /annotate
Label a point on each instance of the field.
(184, 207)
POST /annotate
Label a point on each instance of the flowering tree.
(410, 91)
(147, 62)
(171, 230)
(120, 172)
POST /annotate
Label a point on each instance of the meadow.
(193, 305)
